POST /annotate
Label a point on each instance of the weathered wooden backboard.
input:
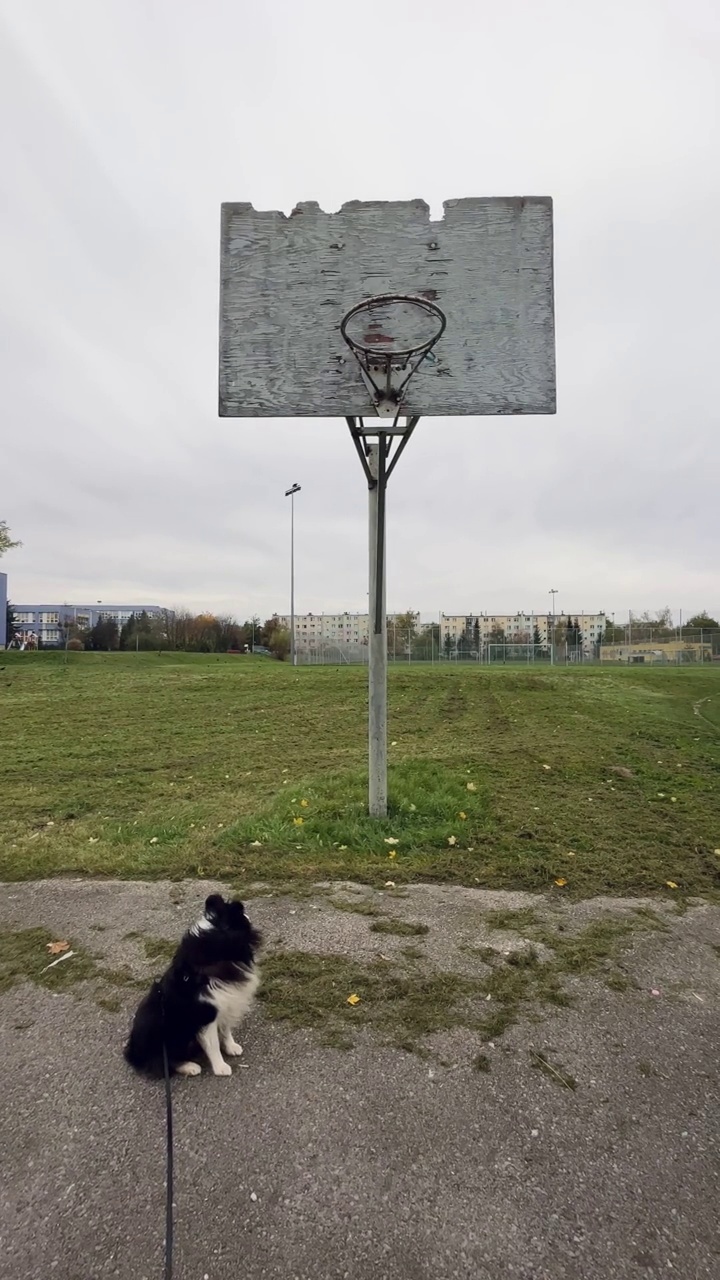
(287, 282)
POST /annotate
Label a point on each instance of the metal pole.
(290, 493)
(553, 593)
(292, 579)
(377, 647)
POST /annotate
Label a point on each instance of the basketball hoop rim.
(424, 304)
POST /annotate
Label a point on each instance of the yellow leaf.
(547, 766)
(452, 840)
(673, 799)
(256, 844)
(671, 884)
(353, 1000)
(471, 786)
(392, 853)
(560, 882)
(570, 853)
(391, 840)
(462, 816)
(342, 847)
(304, 804)
(297, 822)
(55, 948)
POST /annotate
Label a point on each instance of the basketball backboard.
(287, 283)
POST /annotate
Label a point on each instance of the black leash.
(169, 1174)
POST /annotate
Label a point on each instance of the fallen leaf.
(353, 1000)
(621, 770)
(393, 744)
(673, 799)
(392, 853)
(570, 853)
(560, 882)
(547, 766)
(342, 847)
(56, 947)
(452, 840)
(413, 807)
(256, 844)
(154, 840)
(285, 771)
(304, 804)
(297, 822)
(661, 795)
(391, 840)
(389, 884)
(462, 816)
(717, 853)
(94, 840)
(471, 786)
(671, 884)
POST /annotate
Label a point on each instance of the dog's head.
(228, 916)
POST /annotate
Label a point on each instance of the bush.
(77, 646)
(279, 644)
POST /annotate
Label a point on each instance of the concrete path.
(312, 1163)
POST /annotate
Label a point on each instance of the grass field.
(177, 765)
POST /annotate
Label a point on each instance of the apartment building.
(519, 628)
(48, 622)
(312, 630)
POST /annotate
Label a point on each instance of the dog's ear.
(214, 905)
(240, 905)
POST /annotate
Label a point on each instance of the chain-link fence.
(692, 648)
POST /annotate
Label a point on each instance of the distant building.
(313, 630)
(652, 652)
(520, 628)
(48, 622)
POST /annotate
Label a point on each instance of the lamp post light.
(553, 592)
(290, 493)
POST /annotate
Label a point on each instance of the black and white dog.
(202, 997)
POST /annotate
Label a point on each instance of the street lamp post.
(553, 592)
(290, 493)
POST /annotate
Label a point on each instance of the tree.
(448, 645)
(279, 643)
(12, 626)
(402, 630)
(427, 642)
(6, 542)
(702, 622)
(476, 635)
(264, 635)
(104, 635)
(536, 638)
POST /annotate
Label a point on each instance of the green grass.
(404, 1004)
(150, 766)
(24, 957)
(403, 928)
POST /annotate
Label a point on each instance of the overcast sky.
(126, 123)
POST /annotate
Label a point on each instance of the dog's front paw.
(233, 1048)
(188, 1069)
(223, 1069)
